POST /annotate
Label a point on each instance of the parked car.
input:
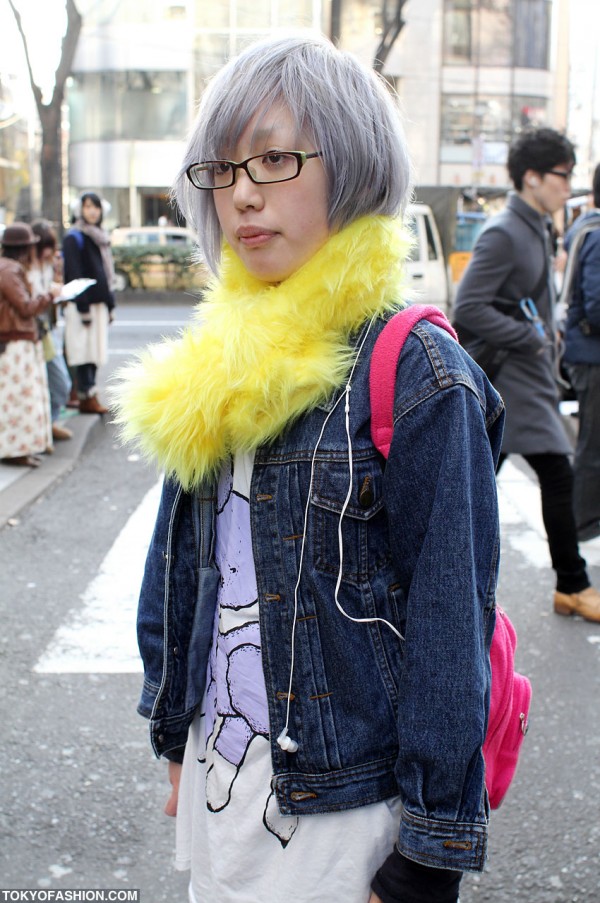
(429, 281)
(157, 258)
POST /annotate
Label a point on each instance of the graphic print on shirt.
(236, 710)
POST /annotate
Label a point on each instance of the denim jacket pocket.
(364, 522)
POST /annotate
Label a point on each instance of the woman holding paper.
(25, 428)
(87, 254)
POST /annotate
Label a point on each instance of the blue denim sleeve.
(443, 516)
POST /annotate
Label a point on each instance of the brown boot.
(23, 461)
(91, 405)
(585, 603)
(60, 432)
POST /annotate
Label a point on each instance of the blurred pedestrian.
(45, 279)
(505, 302)
(25, 427)
(314, 626)
(582, 360)
(87, 254)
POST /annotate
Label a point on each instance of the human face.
(275, 228)
(547, 192)
(90, 213)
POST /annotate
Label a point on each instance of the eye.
(275, 159)
(221, 168)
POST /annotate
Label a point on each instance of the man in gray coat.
(504, 313)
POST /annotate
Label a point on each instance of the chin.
(271, 277)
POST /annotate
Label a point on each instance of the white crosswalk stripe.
(100, 638)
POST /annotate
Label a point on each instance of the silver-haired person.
(314, 620)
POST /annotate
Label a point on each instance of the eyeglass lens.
(274, 167)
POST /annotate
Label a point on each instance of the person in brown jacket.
(25, 426)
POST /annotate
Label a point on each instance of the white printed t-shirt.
(229, 830)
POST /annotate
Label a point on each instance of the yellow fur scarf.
(257, 355)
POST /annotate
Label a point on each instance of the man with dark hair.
(505, 315)
(539, 151)
(582, 360)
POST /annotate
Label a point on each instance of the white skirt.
(25, 426)
(86, 344)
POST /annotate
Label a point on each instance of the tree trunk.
(50, 114)
(51, 164)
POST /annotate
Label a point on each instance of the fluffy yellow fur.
(257, 355)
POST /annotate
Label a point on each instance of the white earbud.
(286, 743)
(533, 182)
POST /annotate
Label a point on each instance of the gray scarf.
(101, 238)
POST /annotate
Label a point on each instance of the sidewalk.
(20, 486)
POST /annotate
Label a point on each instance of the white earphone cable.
(285, 742)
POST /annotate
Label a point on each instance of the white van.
(429, 278)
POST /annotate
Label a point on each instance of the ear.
(532, 179)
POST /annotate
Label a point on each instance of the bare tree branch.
(68, 48)
(37, 93)
(392, 23)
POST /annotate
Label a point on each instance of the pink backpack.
(510, 692)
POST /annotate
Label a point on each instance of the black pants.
(555, 476)
(585, 379)
(86, 380)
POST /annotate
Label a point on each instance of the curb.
(20, 487)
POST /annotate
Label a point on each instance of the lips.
(253, 236)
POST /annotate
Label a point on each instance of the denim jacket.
(374, 716)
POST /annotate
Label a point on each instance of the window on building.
(458, 119)
(127, 106)
(458, 31)
(475, 130)
(256, 14)
(497, 33)
(529, 112)
(532, 37)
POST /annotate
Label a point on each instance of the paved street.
(81, 792)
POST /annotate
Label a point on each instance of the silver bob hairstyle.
(344, 108)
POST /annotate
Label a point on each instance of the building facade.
(470, 75)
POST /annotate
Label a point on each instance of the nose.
(246, 193)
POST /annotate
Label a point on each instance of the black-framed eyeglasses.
(275, 166)
(567, 176)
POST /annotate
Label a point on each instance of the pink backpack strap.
(384, 363)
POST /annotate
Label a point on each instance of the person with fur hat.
(315, 622)
(25, 426)
(87, 254)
